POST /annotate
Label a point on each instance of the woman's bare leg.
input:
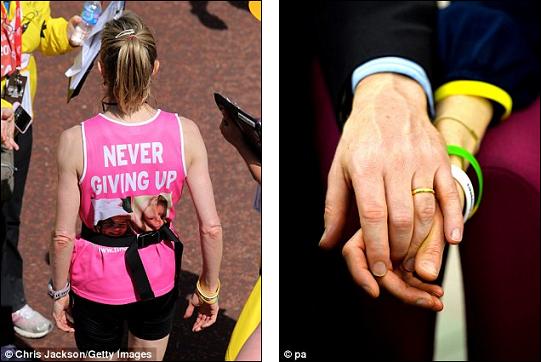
(157, 347)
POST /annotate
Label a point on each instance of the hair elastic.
(125, 32)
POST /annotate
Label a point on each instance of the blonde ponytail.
(128, 52)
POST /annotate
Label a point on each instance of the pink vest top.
(132, 176)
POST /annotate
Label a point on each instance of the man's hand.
(8, 129)
(388, 148)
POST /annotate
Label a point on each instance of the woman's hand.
(400, 281)
(62, 315)
(207, 313)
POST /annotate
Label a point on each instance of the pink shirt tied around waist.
(128, 169)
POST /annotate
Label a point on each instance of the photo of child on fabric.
(115, 226)
(150, 212)
(112, 217)
(115, 217)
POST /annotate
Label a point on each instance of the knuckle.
(362, 164)
(374, 215)
(347, 249)
(449, 194)
(401, 221)
(376, 251)
(425, 213)
(330, 210)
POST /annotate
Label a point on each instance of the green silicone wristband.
(461, 152)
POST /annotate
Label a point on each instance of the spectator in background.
(245, 343)
(27, 26)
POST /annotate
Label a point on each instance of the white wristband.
(467, 187)
(57, 294)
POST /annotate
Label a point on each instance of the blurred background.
(203, 47)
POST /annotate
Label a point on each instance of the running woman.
(122, 171)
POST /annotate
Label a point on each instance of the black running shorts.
(100, 327)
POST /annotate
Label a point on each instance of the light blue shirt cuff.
(394, 65)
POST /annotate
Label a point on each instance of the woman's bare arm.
(70, 160)
(198, 180)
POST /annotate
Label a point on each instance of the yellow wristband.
(476, 88)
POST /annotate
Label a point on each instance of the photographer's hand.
(233, 135)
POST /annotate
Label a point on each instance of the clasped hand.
(388, 148)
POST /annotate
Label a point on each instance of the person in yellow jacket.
(27, 26)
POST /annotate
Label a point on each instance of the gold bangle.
(206, 300)
(471, 131)
(421, 190)
(203, 294)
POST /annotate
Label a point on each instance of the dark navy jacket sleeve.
(495, 42)
(352, 33)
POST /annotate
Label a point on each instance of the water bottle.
(90, 14)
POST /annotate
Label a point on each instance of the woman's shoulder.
(189, 127)
(70, 153)
(71, 135)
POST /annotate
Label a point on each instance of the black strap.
(132, 257)
(179, 248)
(110, 241)
(138, 273)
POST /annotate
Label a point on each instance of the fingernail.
(422, 302)
(379, 269)
(456, 235)
(429, 267)
(410, 264)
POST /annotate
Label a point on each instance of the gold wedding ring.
(421, 190)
